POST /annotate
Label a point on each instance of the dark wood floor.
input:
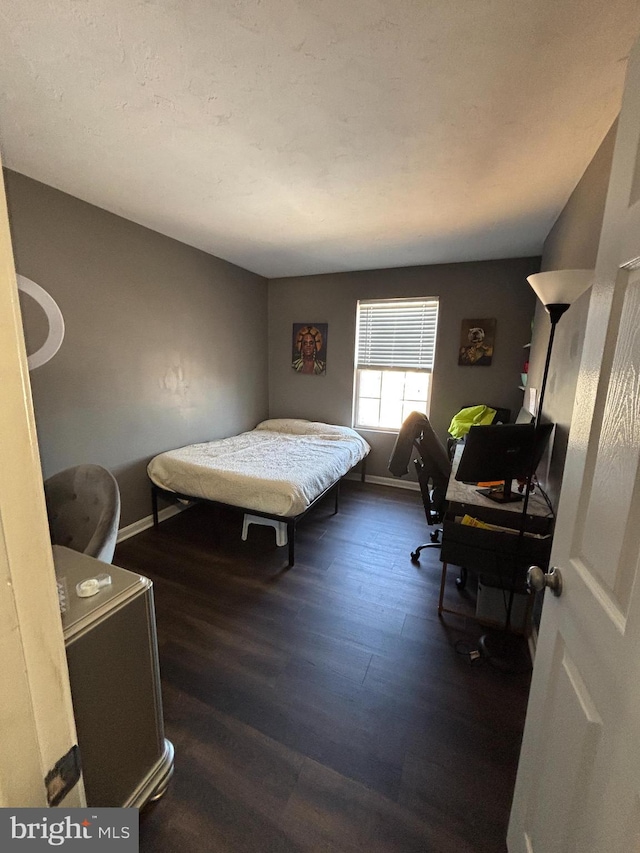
(324, 707)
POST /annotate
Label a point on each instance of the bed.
(279, 470)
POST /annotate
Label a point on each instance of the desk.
(502, 558)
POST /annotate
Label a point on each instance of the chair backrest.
(433, 468)
(83, 506)
(433, 453)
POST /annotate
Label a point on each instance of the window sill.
(384, 430)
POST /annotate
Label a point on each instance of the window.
(395, 348)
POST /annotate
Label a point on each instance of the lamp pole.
(557, 291)
(555, 311)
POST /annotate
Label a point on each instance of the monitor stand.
(501, 494)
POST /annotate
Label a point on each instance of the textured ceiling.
(306, 136)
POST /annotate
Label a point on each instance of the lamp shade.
(560, 287)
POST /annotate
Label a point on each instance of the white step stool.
(279, 526)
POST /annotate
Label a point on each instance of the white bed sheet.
(278, 468)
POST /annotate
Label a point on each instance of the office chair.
(83, 506)
(433, 468)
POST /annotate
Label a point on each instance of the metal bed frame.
(291, 520)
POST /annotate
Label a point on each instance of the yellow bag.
(471, 416)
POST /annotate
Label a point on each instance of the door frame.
(37, 726)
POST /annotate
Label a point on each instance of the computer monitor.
(503, 452)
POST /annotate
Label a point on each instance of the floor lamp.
(557, 291)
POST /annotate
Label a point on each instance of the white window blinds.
(397, 334)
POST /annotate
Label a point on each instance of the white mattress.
(279, 467)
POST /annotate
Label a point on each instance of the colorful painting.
(310, 348)
(477, 340)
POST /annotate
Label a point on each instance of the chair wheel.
(435, 536)
(415, 556)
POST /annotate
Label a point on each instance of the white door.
(36, 717)
(578, 784)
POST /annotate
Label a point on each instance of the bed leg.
(291, 538)
(337, 503)
(363, 470)
(154, 505)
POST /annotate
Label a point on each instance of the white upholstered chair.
(83, 505)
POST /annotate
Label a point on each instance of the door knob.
(537, 579)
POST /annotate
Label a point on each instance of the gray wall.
(484, 289)
(165, 345)
(572, 243)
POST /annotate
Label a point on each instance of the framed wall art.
(309, 348)
(477, 339)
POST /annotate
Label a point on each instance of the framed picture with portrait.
(309, 348)
(477, 340)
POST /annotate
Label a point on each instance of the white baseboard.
(395, 482)
(147, 522)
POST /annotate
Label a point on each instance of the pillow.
(291, 425)
(297, 426)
